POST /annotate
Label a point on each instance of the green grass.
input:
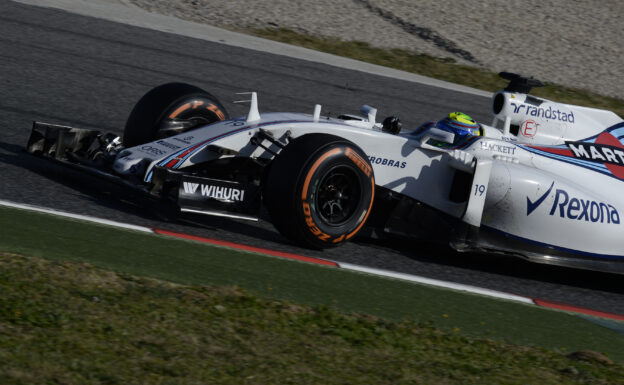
(185, 262)
(443, 69)
(71, 323)
(249, 318)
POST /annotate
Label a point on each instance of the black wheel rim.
(337, 195)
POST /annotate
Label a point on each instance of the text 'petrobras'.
(386, 162)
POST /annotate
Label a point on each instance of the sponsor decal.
(168, 145)
(152, 150)
(603, 153)
(531, 206)
(497, 147)
(570, 207)
(387, 162)
(185, 140)
(594, 152)
(546, 113)
(221, 193)
(359, 161)
(236, 123)
(529, 128)
(606, 149)
(307, 213)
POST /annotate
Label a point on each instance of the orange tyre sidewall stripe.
(179, 110)
(306, 184)
(315, 166)
(216, 110)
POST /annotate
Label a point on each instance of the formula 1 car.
(544, 181)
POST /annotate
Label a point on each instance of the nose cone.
(125, 164)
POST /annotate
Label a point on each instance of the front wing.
(81, 149)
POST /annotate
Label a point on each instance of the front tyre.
(320, 190)
(171, 109)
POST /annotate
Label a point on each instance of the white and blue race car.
(544, 181)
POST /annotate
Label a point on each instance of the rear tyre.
(170, 109)
(319, 190)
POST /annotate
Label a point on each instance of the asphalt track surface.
(64, 68)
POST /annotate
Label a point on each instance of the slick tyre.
(168, 106)
(319, 190)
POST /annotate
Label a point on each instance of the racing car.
(543, 181)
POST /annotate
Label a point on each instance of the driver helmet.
(459, 124)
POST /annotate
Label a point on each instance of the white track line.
(75, 216)
(437, 283)
(104, 9)
(346, 266)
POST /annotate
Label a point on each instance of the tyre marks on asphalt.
(426, 34)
